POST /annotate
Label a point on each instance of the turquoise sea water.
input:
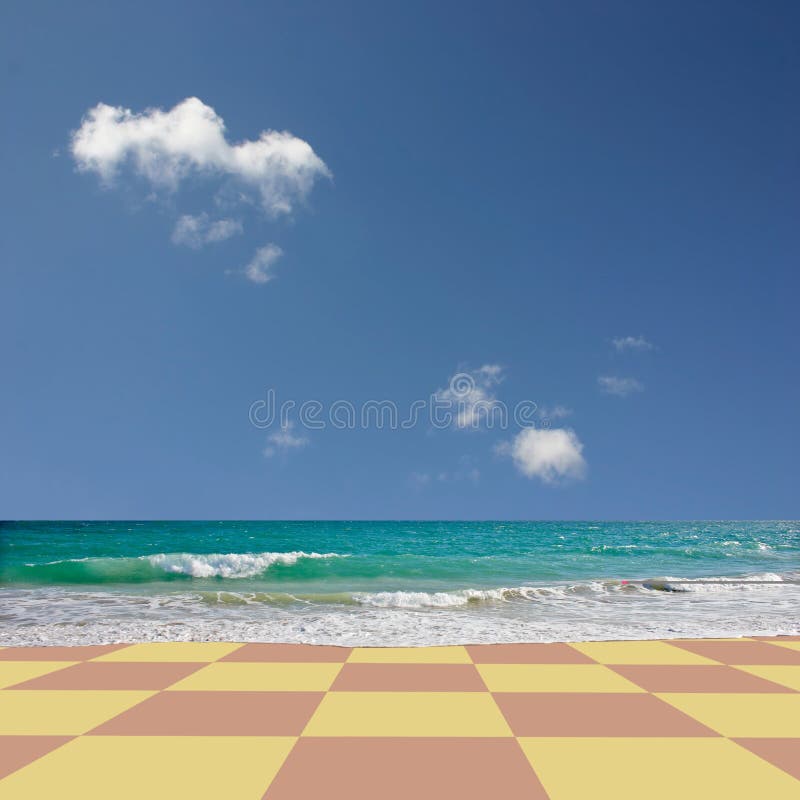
(396, 582)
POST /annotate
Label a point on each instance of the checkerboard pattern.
(684, 718)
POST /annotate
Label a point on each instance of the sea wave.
(599, 590)
(576, 612)
(157, 567)
(428, 599)
(228, 565)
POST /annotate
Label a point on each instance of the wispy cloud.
(553, 412)
(465, 471)
(198, 231)
(553, 455)
(621, 387)
(470, 396)
(631, 343)
(284, 440)
(259, 268)
(189, 140)
(420, 479)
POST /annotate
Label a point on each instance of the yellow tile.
(407, 714)
(658, 769)
(171, 651)
(639, 653)
(554, 678)
(133, 767)
(272, 677)
(790, 645)
(742, 715)
(784, 674)
(12, 672)
(410, 655)
(61, 713)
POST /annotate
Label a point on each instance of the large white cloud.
(166, 147)
(550, 454)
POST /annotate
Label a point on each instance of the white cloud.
(167, 147)
(195, 232)
(469, 396)
(284, 440)
(631, 343)
(621, 387)
(550, 454)
(554, 412)
(259, 269)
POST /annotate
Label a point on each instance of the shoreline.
(22, 641)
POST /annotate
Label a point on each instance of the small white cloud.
(621, 387)
(552, 455)
(284, 440)
(259, 269)
(195, 232)
(469, 396)
(167, 147)
(554, 412)
(631, 343)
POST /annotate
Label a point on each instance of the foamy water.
(395, 583)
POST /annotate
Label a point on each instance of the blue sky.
(509, 187)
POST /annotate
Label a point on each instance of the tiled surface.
(595, 719)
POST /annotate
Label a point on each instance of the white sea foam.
(764, 603)
(726, 584)
(227, 565)
(597, 590)
(95, 618)
(427, 599)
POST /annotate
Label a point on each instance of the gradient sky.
(510, 185)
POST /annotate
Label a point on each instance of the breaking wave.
(159, 567)
(228, 565)
(599, 590)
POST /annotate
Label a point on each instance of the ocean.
(395, 583)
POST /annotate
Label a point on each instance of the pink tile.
(406, 769)
(694, 678)
(526, 654)
(783, 753)
(17, 751)
(216, 714)
(409, 678)
(289, 652)
(742, 652)
(594, 714)
(777, 638)
(80, 653)
(113, 675)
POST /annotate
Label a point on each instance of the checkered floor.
(680, 719)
